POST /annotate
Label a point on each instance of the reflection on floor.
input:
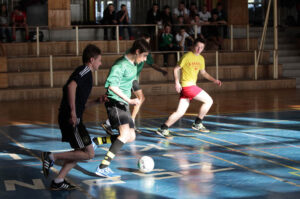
(246, 155)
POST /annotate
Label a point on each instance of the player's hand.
(178, 87)
(164, 72)
(134, 101)
(218, 82)
(73, 119)
(102, 99)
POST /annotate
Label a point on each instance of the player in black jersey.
(75, 94)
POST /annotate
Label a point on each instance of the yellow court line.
(255, 171)
(296, 173)
(254, 149)
(228, 161)
(245, 153)
(245, 167)
(37, 157)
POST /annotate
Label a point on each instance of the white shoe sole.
(206, 131)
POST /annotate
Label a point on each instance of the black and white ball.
(145, 164)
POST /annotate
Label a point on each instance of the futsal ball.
(145, 164)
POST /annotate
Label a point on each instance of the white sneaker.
(106, 172)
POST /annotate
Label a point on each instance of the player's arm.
(210, 78)
(157, 68)
(100, 100)
(176, 77)
(118, 92)
(71, 99)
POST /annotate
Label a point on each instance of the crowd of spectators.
(186, 22)
(17, 20)
(181, 21)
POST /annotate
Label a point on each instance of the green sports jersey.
(122, 74)
(140, 66)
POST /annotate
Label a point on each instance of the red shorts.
(190, 92)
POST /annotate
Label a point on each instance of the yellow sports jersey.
(190, 65)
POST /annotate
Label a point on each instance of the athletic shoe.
(137, 130)
(62, 186)
(163, 132)
(106, 172)
(47, 163)
(95, 146)
(107, 128)
(200, 127)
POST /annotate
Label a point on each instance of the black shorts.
(78, 137)
(118, 114)
(135, 86)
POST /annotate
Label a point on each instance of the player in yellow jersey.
(190, 65)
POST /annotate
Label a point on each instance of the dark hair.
(155, 4)
(166, 6)
(140, 44)
(145, 36)
(199, 39)
(18, 7)
(123, 5)
(90, 51)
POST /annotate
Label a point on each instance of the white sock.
(58, 180)
(51, 156)
(107, 122)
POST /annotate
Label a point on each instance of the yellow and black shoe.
(200, 127)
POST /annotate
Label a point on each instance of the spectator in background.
(179, 23)
(19, 20)
(166, 16)
(181, 11)
(109, 18)
(183, 39)
(220, 12)
(167, 43)
(214, 30)
(196, 21)
(193, 11)
(204, 14)
(4, 25)
(123, 19)
(222, 17)
(153, 17)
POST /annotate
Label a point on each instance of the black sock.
(105, 140)
(198, 120)
(113, 150)
(164, 127)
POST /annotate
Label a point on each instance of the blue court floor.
(246, 155)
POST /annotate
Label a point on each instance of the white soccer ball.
(145, 164)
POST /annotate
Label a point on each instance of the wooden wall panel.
(59, 18)
(237, 12)
(3, 80)
(3, 64)
(59, 5)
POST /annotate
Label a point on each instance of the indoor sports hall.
(252, 149)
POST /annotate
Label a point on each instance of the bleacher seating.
(26, 76)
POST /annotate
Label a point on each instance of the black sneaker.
(62, 186)
(47, 163)
(107, 128)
